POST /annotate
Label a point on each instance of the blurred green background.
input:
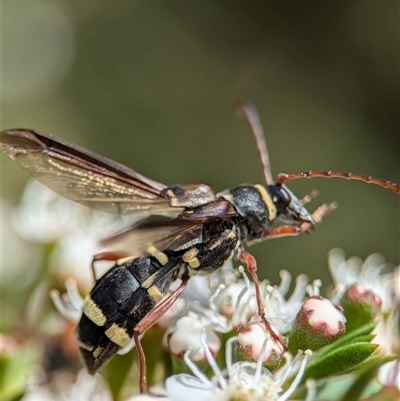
(151, 84)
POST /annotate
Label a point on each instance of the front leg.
(286, 231)
(251, 264)
(278, 232)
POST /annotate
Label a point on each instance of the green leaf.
(379, 359)
(364, 378)
(360, 335)
(338, 360)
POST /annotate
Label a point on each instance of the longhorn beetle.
(195, 232)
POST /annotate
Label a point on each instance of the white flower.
(69, 304)
(16, 254)
(389, 374)
(240, 381)
(43, 216)
(186, 336)
(74, 230)
(386, 287)
(199, 297)
(237, 301)
(201, 288)
(387, 334)
(366, 274)
(282, 312)
(85, 388)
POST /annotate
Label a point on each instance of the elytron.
(192, 231)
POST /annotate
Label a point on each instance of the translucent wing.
(84, 176)
(159, 233)
(172, 234)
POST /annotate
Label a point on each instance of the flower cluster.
(216, 345)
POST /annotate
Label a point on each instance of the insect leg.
(108, 256)
(307, 197)
(142, 363)
(251, 264)
(159, 310)
(285, 231)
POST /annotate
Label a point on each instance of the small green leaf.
(338, 360)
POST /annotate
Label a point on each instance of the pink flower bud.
(319, 323)
(360, 306)
(249, 347)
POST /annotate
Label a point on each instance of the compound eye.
(280, 196)
(285, 197)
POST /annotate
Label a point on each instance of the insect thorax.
(255, 207)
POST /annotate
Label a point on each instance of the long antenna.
(249, 111)
(282, 178)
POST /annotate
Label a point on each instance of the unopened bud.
(360, 306)
(319, 323)
(250, 346)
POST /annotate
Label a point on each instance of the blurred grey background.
(151, 84)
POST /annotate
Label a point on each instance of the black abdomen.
(119, 300)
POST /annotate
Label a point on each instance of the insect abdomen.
(119, 300)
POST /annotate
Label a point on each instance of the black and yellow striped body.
(120, 299)
(131, 289)
(127, 292)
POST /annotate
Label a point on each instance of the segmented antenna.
(249, 111)
(282, 178)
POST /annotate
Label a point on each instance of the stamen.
(338, 293)
(236, 311)
(269, 291)
(299, 289)
(311, 390)
(195, 369)
(229, 352)
(284, 285)
(245, 278)
(290, 362)
(370, 272)
(260, 361)
(313, 289)
(298, 377)
(73, 293)
(211, 361)
(211, 302)
(317, 284)
(69, 314)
